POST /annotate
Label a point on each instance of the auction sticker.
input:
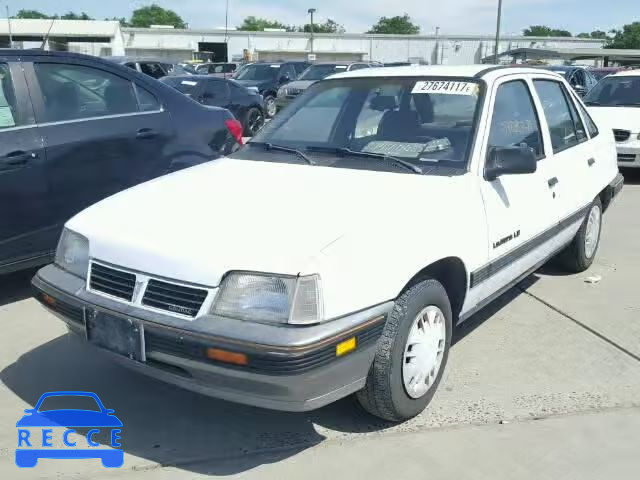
(446, 87)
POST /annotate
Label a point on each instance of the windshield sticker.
(341, 67)
(189, 82)
(446, 87)
(400, 149)
(437, 145)
(275, 66)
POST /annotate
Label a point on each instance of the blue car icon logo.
(36, 434)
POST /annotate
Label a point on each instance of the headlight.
(282, 92)
(73, 253)
(270, 298)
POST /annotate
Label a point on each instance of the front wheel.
(581, 252)
(411, 355)
(270, 106)
(254, 121)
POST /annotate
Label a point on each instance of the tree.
(75, 16)
(598, 34)
(401, 25)
(330, 26)
(32, 14)
(154, 14)
(628, 37)
(254, 24)
(544, 31)
(584, 35)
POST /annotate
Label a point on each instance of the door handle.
(16, 159)
(591, 161)
(552, 182)
(146, 133)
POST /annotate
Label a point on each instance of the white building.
(108, 38)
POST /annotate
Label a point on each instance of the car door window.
(148, 102)
(74, 92)
(216, 91)
(564, 130)
(8, 105)
(358, 66)
(289, 71)
(591, 125)
(515, 121)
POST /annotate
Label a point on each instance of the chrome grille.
(621, 135)
(174, 298)
(112, 282)
(626, 157)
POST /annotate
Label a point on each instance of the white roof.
(434, 71)
(60, 28)
(628, 73)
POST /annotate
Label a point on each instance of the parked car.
(600, 72)
(245, 104)
(222, 70)
(580, 78)
(616, 102)
(314, 73)
(149, 66)
(75, 129)
(268, 78)
(333, 265)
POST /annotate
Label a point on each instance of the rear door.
(571, 152)
(25, 224)
(215, 93)
(103, 133)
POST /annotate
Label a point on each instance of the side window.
(359, 66)
(131, 65)
(148, 102)
(560, 118)
(74, 92)
(591, 125)
(514, 121)
(152, 69)
(217, 90)
(581, 133)
(8, 105)
(579, 79)
(289, 71)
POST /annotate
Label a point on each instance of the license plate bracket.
(120, 335)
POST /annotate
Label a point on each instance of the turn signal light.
(346, 346)
(235, 128)
(226, 356)
(48, 299)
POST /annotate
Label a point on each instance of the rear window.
(426, 121)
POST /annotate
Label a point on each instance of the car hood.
(623, 118)
(255, 83)
(232, 214)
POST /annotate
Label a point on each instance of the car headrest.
(383, 103)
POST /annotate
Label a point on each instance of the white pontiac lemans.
(335, 253)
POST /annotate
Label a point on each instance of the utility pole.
(311, 11)
(437, 44)
(9, 23)
(226, 30)
(498, 31)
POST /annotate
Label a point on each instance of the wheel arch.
(452, 274)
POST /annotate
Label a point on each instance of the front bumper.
(295, 370)
(629, 152)
(284, 100)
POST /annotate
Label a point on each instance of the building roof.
(59, 28)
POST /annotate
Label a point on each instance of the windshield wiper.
(282, 148)
(354, 153)
(591, 103)
(628, 104)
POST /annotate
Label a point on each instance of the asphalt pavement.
(544, 383)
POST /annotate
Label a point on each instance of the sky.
(452, 16)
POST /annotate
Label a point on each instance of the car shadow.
(167, 425)
(631, 175)
(15, 286)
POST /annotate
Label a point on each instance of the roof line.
(483, 72)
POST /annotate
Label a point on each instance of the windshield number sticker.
(189, 82)
(446, 87)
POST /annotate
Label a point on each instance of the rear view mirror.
(580, 90)
(510, 161)
(285, 79)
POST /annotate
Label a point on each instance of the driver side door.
(519, 208)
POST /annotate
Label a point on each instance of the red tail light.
(235, 128)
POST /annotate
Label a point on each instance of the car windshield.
(259, 72)
(426, 121)
(615, 91)
(318, 72)
(183, 85)
(69, 402)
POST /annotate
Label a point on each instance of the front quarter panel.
(373, 264)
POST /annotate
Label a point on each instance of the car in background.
(222, 70)
(267, 78)
(244, 103)
(149, 66)
(580, 78)
(75, 129)
(311, 75)
(616, 102)
(601, 72)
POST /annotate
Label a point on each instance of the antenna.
(9, 23)
(46, 37)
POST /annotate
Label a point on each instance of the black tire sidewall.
(584, 261)
(430, 293)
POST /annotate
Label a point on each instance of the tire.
(386, 394)
(270, 108)
(253, 121)
(580, 253)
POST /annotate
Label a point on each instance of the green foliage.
(254, 24)
(401, 25)
(628, 37)
(32, 14)
(154, 14)
(544, 31)
(329, 26)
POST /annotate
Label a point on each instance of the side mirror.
(284, 79)
(510, 161)
(580, 90)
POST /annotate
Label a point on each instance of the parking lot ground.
(544, 382)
